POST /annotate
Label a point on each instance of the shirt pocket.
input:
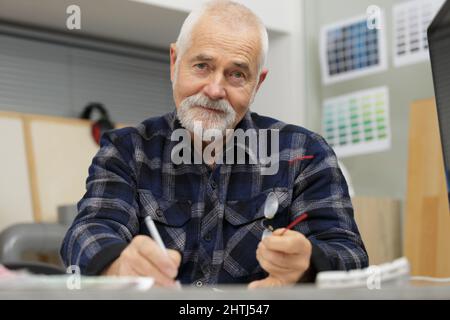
(243, 228)
(171, 218)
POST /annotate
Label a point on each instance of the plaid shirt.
(213, 217)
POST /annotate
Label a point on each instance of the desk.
(305, 292)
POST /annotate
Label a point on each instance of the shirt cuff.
(319, 262)
(104, 258)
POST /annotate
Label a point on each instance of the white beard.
(193, 109)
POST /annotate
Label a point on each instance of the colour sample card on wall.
(358, 123)
(352, 48)
(411, 21)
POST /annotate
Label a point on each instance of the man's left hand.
(285, 257)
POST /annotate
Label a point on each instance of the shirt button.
(213, 185)
(208, 237)
(199, 284)
(159, 212)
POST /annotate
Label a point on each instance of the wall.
(384, 173)
(277, 15)
(48, 78)
(155, 23)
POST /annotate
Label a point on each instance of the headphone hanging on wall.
(102, 124)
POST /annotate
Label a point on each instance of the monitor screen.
(439, 45)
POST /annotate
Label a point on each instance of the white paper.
(22, 280)
(411, 20)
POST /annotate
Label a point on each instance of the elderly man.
(210, 215)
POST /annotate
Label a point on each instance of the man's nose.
(215, 90)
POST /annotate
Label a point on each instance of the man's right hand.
(144, 258)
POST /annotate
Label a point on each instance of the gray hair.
(227, 11)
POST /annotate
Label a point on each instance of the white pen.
(154, 233)
(157, 237)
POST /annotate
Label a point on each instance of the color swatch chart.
(411, 21)
(358, 123)
(350, 49)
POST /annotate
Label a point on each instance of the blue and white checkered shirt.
(213, 217)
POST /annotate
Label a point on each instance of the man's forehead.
(210, 26)
(240, 47)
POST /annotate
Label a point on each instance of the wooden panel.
(61, 152)
(427, 234)
(45, 165)
(379, 222)
(15, 199)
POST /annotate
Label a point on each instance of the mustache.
(201, 100)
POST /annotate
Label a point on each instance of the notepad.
(22, 280)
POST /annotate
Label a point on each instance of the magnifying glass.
(270, 209)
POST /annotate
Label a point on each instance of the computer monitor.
(439, 46)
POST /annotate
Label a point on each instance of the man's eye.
(201, 66)
(237, 75)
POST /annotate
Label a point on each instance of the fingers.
(175, 256)
(291, 242)
(143, 257)
(280, 232)
(269, 282)
(140, 266)
(151, 251)
(285, 256)
(280, 259)
(270, 266)
(257, 284)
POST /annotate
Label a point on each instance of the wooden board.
(427, 233)
(44, 163)
(15, 195)
(379, 222)
(60, 154)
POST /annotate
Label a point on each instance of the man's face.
(217, 77)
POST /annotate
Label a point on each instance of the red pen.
(299, 219)
(301, 158)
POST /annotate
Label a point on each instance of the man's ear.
(173, 60)
(262, 77)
